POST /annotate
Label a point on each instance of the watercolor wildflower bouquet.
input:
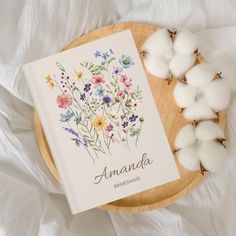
(100, 103)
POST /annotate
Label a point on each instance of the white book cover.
(101, 121)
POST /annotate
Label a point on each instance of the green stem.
(140, 128)
(106, 143)
(100, 148)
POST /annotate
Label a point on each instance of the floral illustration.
(99, 103)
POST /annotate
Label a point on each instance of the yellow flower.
(49, 81)
(99, 123)
(78, 74)
(51, 84)
(48, 78)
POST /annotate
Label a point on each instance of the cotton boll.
(168, 55)
(199, 110)
(185, 137)
(212, 155)
(180, 64)
(157, 66)
(200, 75)
(185, 42)
(158, 43)
(208, 130)
(217, 94)
(184, 95)
(188, 158)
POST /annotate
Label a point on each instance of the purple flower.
(71, 131)
(117, 70)
(77, 141)
(87, 87)
(106, 99)
(85, 142)
(97, 54)
(82, 96)
(105, 55)
(133, 118)
(125, 124)
(103, 63)
(111, 51)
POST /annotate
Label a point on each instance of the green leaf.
(98, 72)
(102, 67)
(60, 66)
(90, 66)
(110, 60)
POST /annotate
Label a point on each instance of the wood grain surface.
(172, 120)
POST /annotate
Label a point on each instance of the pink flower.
(120, 93)
(97, 80)
(109, 128)
(64, 100)
(128, 84)
(123, 78)
(122, 117)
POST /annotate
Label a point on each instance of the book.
(101, 121)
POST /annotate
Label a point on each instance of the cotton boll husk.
(200, 75)
(217, 94)
(184, 95)
(180, 64)
(185, 41)
(157, 66)
(185, 137)
(212, 155)
(208, 130)
(199, 110)
(158, 43)
(188, 158)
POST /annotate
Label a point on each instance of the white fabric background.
(30, 199)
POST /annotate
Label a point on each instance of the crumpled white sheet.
(31, 202)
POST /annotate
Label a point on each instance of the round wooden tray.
(172, 120)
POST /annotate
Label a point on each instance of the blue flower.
(78, 119)
(133, 118)
(105, 55)
(66, 117)
(117, 70)
(106, 99)
(82, 96)
(125, 124)
(100, 91)
(103, 63)
(87, 87)
(97, 54)
(126, 61)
